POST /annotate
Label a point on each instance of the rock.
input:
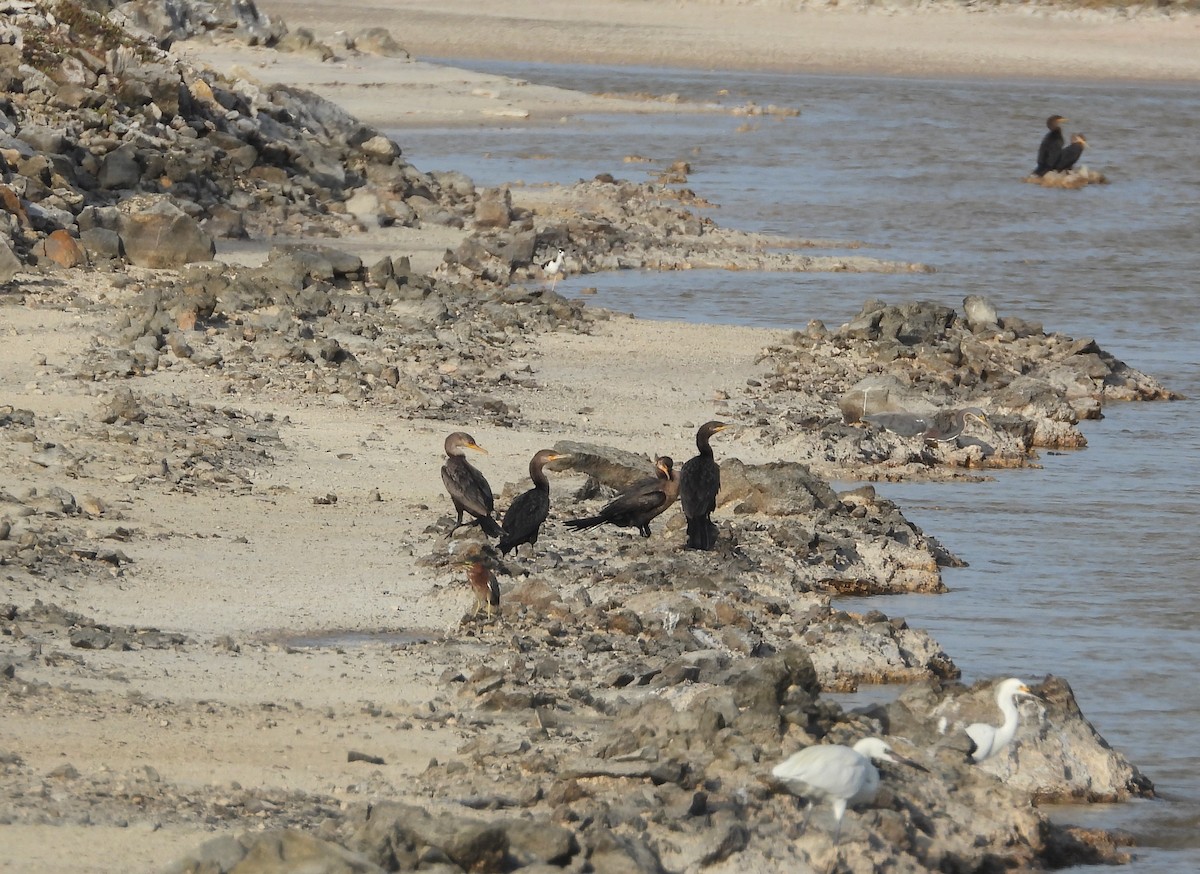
(378, 41)
(393, 835)
(611, 467)
(530, 842)
(781, 488)
(119, 169)
(162, 235)
(273, 852)
(122, 405)
(10, 264)
(61, 249)
(981, 314)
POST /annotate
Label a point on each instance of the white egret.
(554, 267)
(843, 775)
(987, 740)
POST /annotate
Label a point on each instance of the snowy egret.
(987, 740)
(843, 775)
(468, 488)
(554, 267)
(699, 485)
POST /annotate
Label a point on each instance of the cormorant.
(523, 520)
(1071, 153)
(699, 483)
(637, 505)
(1051, 147)
(933, 428)
(468, 487)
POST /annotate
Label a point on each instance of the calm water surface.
(1087, 568)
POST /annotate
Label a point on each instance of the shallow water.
(1086, 568)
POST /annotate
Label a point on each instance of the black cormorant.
(699, 483)
(468, 487)
(1051, 147)
(1069, 155)
(640, 503)
(524, 517)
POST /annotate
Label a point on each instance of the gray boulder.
(163, 235)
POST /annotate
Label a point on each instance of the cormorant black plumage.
(639, 504)
(1071, 153)
(1051, 148)
(699, 483)
(468, 487)
(524, 517)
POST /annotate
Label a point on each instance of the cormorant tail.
(490, 526)
(701, 534)
(584, 524)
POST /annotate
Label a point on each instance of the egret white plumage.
(554, 267)
(841, 774)
(987, 740)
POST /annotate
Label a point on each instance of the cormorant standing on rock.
(468, 487)
(699, 483)
(640, 503)
(1051, 148)
(1069, 155)
(523, 520)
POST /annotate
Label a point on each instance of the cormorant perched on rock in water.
(637, 505)
(524, 517)
(699, 483)
(1051, 147)
(1069, 155)
(468, 487)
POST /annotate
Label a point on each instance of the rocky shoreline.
(171, 451)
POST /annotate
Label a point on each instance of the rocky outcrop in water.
(924, 358)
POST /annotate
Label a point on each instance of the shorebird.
(842, 775)
(987, 740)
(554, 267)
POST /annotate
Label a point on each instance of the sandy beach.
(269, 565)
